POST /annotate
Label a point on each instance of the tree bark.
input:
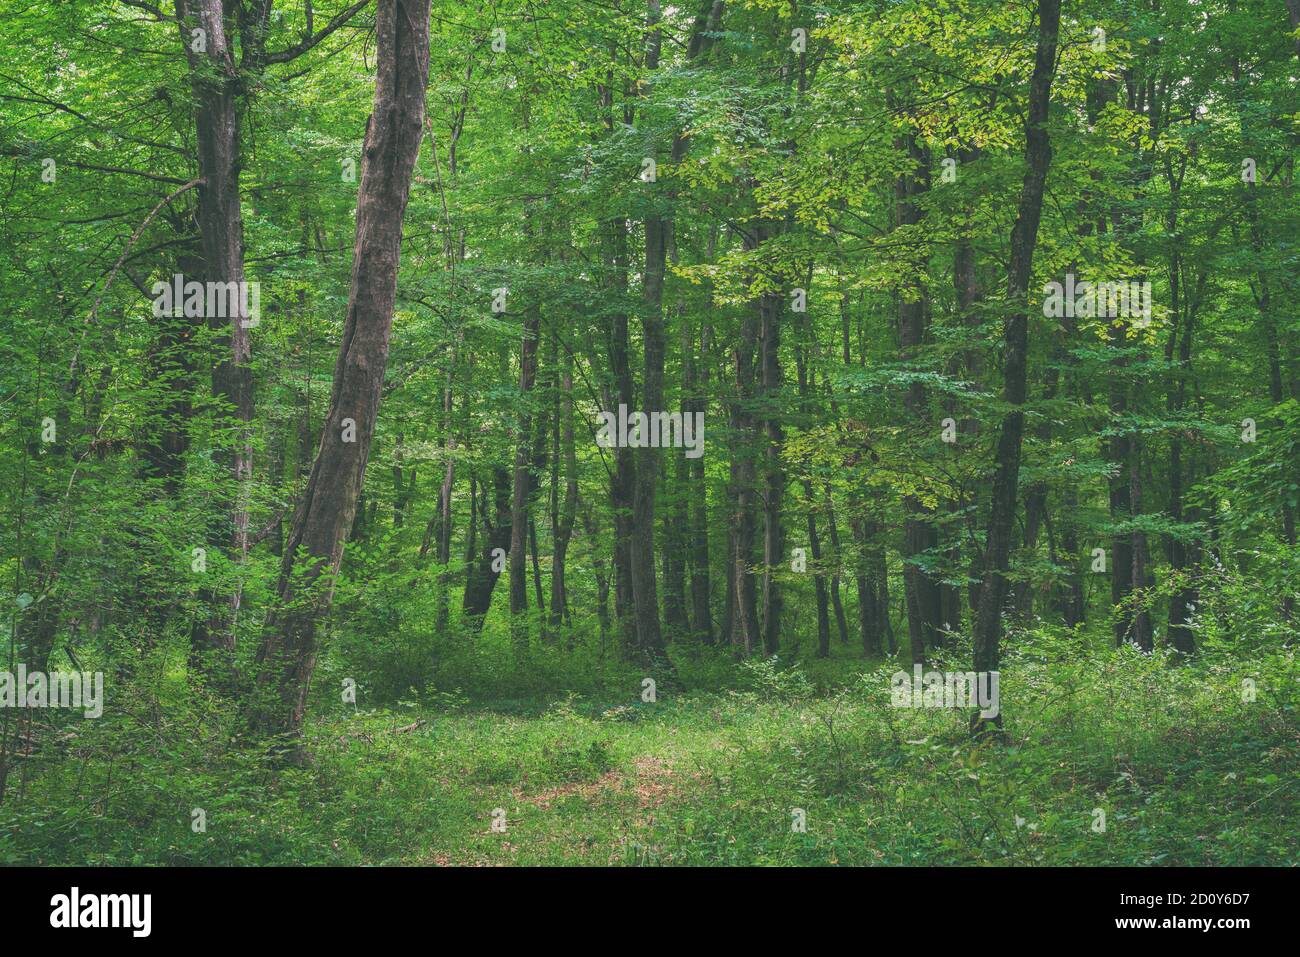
(920, 588)
(287, 656)
(1024, 237)
(215, 80)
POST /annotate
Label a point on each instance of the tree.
(287, 656)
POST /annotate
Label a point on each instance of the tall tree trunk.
(623, 480)
(1121, 502)
(565, 520)
(1024, 237)
(649, 637)
(837, 602)
(772, 378)
(523, 479)
(803, 351)
(674, 540)
(215, 80)
(696, 401)
(866, 578)
(287, 656)
(484, 567)
(744, 626)
(920, 588)
(696, 505)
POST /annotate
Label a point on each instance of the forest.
(622, 432)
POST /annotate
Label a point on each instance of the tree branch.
(309, 41)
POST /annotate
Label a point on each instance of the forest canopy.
(492, 406)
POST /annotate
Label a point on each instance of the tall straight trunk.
(886, 625)
(1276, 390)
(1072, 605)
(287, 656)
(695, 509)
(482, 568)
(649, 637)
(658, 235)
(1121, 504)
(675, 523)
(1024, 237)
(802, 352)
(645, 598)
(921, 589)
(837, 602)
(837, 553)
(1143, 635)
(215, 81)
(598, 569)
(522, 478)
(623, 481)
(744, 611)
(866, 578)
(567, 513)
(970, 362)
(772, 379)
(444, 514)
(819, 575)
(696, 401)
(1036, 500)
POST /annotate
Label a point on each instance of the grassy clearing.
(1185, 771)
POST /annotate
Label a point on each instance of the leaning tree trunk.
(1024, 237)
(287, 656)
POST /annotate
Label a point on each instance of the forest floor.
(1110, 759)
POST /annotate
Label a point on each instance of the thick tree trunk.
(287, 656)
(215, 82)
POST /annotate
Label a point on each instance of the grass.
(1184, 770)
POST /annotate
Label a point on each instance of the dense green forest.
(616, 432)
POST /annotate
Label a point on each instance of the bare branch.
(309, 41)
(139, 229)
(157, 177)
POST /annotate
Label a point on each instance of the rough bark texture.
(287, 656)
(215, 81)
